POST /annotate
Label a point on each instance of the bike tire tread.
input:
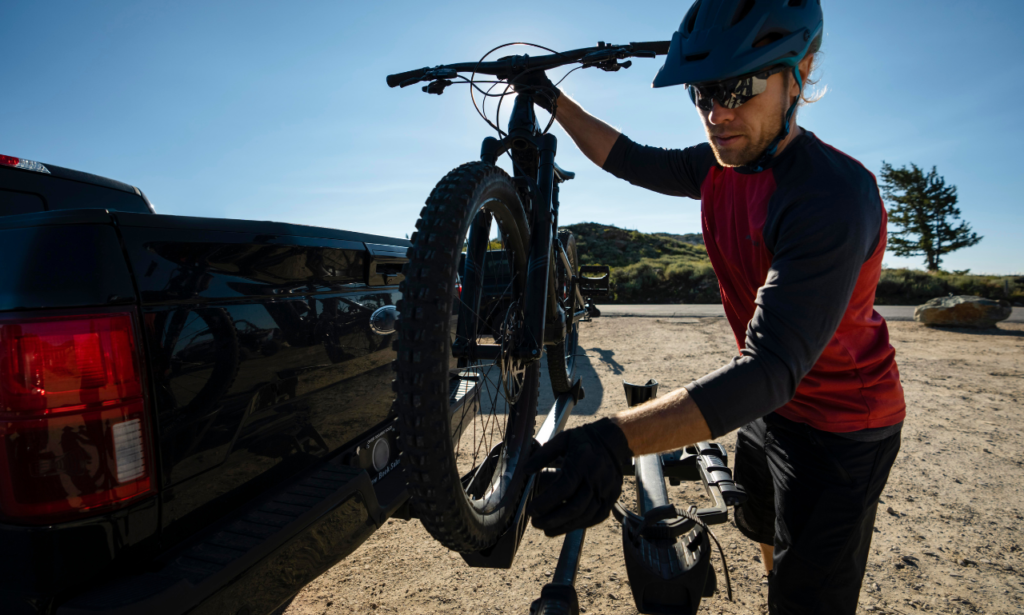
(421, 384)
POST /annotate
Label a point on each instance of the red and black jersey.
(797, 249)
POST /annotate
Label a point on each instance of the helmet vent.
(697, 57)
(768, 39)
(742, 11)
(691, 20)
(795, 3)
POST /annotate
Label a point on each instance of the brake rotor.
(513, 371)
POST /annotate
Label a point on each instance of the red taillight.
(9, 161)
(73, 432)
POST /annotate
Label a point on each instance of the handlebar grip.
(395, 80)
(658, 47)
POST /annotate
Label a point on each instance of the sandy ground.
(948, 533)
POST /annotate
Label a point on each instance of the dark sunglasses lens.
(730, 94)
(701, 97)
(742, 90)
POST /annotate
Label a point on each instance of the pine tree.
(923, 210)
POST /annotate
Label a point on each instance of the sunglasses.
(731, 93)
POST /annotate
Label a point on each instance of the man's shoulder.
(820, 187)
(818, 169)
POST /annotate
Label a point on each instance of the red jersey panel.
(798, 252)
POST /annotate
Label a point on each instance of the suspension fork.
(539, 266)
(472, 286)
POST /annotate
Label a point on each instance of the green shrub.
(665, 280)
(656, 268)
(616, 247)
(914, 287)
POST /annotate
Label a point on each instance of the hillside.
(609, 245)
(694, 238)
(668, 268)
(648, 268)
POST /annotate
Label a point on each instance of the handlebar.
(394, 80)
(600, 56)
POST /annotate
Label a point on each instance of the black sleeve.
(819, 245)
(675, 172)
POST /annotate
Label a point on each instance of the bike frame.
(533, 154)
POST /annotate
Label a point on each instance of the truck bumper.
(253, 563)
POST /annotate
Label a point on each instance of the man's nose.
(720, 115)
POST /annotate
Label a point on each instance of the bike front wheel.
(465, 424)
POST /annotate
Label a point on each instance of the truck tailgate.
(262, 353)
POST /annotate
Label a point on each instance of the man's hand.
(536, 84)
(589, 482)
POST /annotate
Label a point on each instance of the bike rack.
(503, 553)
(650, 580)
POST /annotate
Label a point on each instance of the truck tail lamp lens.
(73, 433)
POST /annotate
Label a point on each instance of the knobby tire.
(425, 369)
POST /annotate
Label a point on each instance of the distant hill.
(694, 238)
(646, 267)
(603, 244)
(672, 268)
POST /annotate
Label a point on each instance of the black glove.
(536, 84)
(590, 481)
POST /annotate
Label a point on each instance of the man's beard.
(750, 153)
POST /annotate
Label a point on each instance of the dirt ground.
(948, 533)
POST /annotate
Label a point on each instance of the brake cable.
(472, 79)
(481, 109)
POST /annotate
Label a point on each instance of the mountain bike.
(467, 381)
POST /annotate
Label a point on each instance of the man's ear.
(806, 67)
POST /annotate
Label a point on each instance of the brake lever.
(437, 87)
(602, 56)
(607, 58)
(611, 65)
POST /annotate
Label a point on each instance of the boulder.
(962, 311)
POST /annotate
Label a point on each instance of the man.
(796, 232)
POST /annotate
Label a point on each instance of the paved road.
(889, 312)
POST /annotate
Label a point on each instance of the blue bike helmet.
(722, 39)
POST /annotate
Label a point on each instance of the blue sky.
(279, 110)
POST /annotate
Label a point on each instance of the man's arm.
(594, 138)
(675, 172)
(663, 424)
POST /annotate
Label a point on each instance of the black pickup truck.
(195, 413)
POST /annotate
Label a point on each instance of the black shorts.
(813, 495)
